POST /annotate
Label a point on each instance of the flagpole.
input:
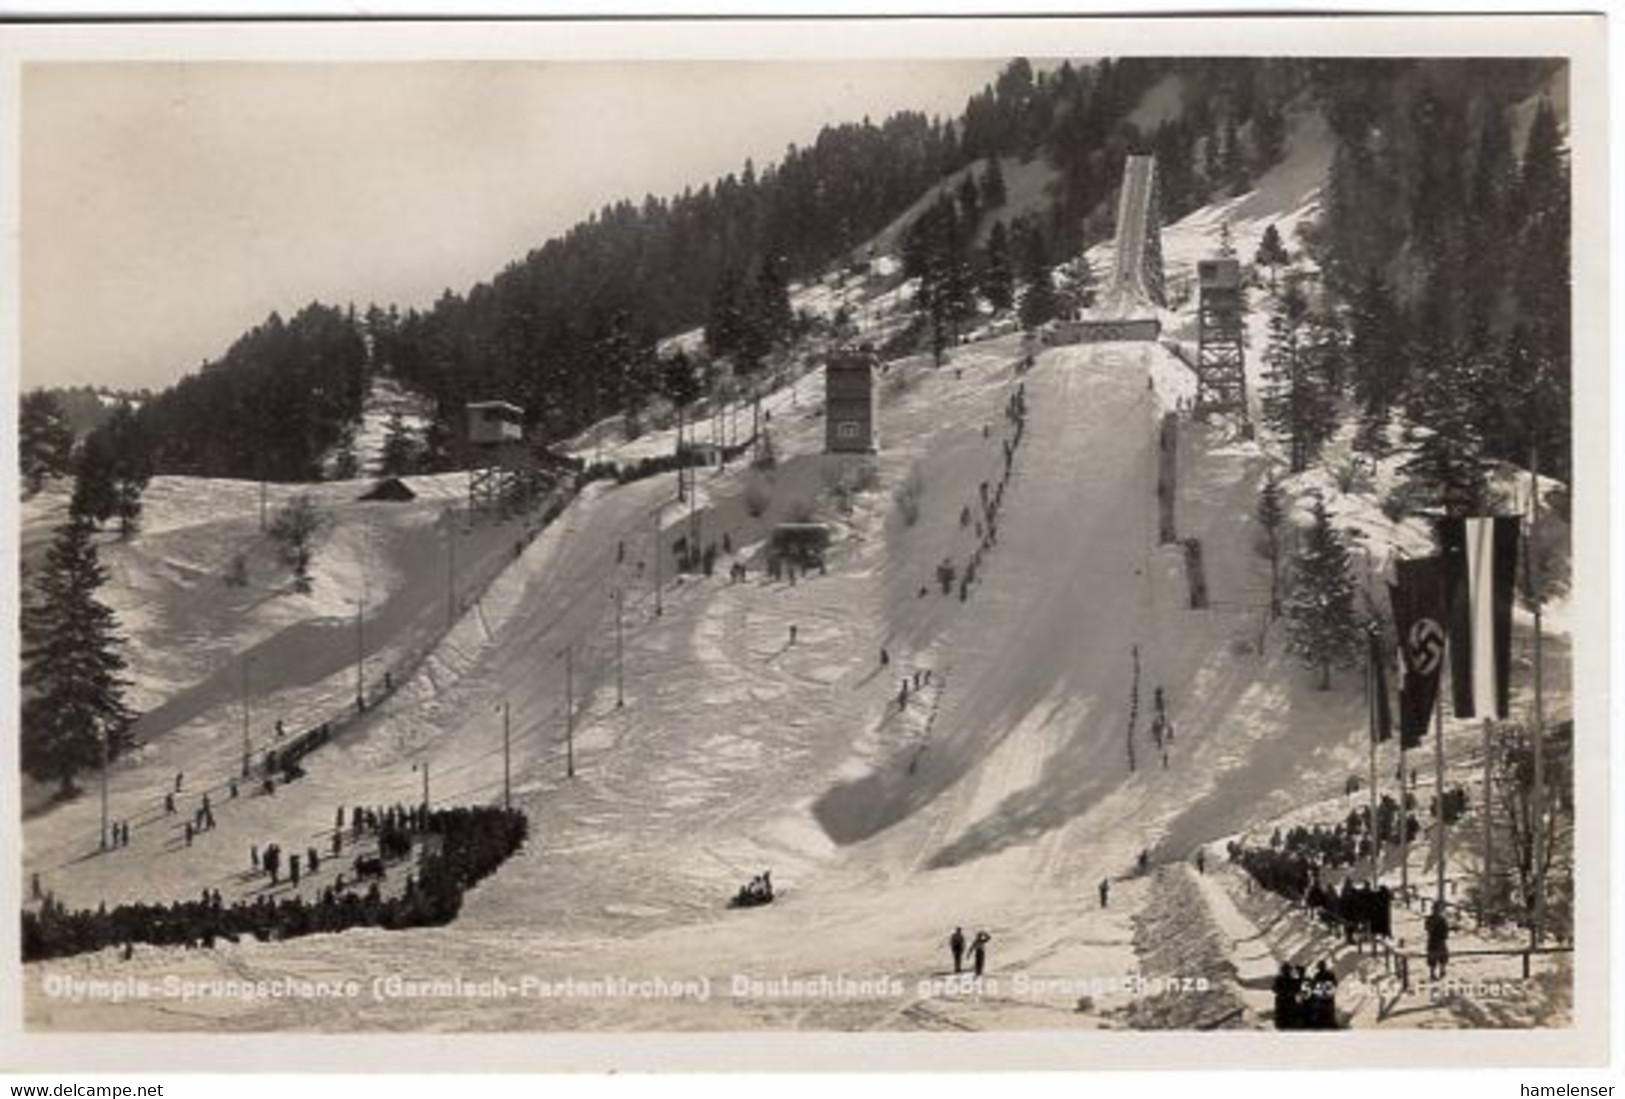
(1404, 823)
(1486, 877)
(1373, 652)
(1438, 754)
(1537, 864)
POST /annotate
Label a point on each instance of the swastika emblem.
(1424, 646)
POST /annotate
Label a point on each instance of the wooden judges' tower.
(849, 403)
(496, 452)
(1221, 379)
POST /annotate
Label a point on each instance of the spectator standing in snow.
(1285, 988)
(956, 941)
(1322, 1003)
(1438, 935)
(978, 952)
(1105, 891)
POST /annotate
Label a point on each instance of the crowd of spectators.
(456, 848)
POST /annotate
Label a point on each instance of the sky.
(167, 208)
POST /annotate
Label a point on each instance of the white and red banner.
(1480, 557)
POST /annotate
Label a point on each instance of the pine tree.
(132, 466)
(1542, 286)
(1324, 628)
(1446, 471)
(1038, 301)
(1488, 213)
(73, 696)
(1271, 515)
(95, 496)
(970, 202)
(44, 439)
(998, 283)
(112, 471)
(1271, 253)
(400, 447)
(1376, 348)
(1298, 400)
(1269, 136)
(993, 186)
(346, 463)
(294, 528)
(1233, 166)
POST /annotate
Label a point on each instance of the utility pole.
(360, 658)
(451, 567)
(620, 651)
(660, 553)
(247, 748)
(361, 637)
(569, 714)
(104, 788)
(679, 454)
(507, 759)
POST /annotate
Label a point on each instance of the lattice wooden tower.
(1221, 377)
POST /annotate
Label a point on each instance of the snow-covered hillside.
(904, 758)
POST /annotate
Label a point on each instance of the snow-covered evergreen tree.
(1299, 399)
(1447, 470)
(400, 447)
(73, 695)
(44, 439)
(1271, 515)
(1271, 253)
(998, 281)
(1324, 629)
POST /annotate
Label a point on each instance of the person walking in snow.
(169, 803)
(1201, 860)
(902, 696)
(792, 633)
(885, 657)
(956, 947)
(978, 952)
(1105, 891)
(180, 777)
